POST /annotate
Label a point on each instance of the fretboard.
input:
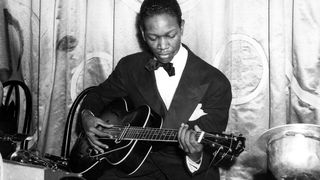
(149, 134)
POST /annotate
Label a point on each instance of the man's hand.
(92, 127)
(188, 142)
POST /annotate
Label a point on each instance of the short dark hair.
(150, 8)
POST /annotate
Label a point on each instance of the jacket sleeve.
(215, 103)
(102, 95)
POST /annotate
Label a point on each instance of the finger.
(95, 122)
(100, 128)
(89, 122)
(180, 135)
(183, 134)
(96, 147)
(197, 128)
(104, 124)
(194, 145)
(188, 146)
(94, 140)
(102, 132)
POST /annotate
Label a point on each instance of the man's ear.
(142, 33)
(182, 26)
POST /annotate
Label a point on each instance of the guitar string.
(216, 135)
(141, 131)
(146, 133)
(168, 135)
(228, 148)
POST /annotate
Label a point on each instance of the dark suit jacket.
(200, 83)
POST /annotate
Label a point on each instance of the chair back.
(70, 123)
(16, 109)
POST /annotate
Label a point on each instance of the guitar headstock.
(228, 144)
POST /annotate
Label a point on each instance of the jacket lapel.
(148, 90)
(187, 96)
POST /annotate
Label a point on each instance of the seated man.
(192, 86)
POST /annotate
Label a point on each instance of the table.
(18, 171)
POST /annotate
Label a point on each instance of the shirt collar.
(180, 59)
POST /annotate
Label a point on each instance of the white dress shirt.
(167, 86)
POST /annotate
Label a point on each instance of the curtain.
(268, 49)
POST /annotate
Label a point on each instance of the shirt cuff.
(193, 166)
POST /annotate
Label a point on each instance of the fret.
(143, 134)
(127, 136)
(168, 134)
(131, 133)
(167, 137)
(158, 134)
(136, 134)
(125, 130)
(164, 135)
(148, 134)
(153, 134)
(173, 135)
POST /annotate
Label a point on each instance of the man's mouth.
(164, 56)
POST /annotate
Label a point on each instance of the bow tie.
(154, 65)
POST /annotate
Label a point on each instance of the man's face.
(163, 36)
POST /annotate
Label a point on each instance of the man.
(195, 96)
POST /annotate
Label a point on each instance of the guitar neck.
(149, 134)
(231, 144)
(161, 134)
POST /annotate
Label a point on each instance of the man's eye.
(152, 38)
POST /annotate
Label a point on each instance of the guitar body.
(128, 155)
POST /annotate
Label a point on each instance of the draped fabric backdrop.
(269, 50)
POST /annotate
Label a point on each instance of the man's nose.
(163, 43)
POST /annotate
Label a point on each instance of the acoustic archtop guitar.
(132, 136)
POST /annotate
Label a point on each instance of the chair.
(69, 134)
(72, 115)
(16, 110)
(14, 92)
